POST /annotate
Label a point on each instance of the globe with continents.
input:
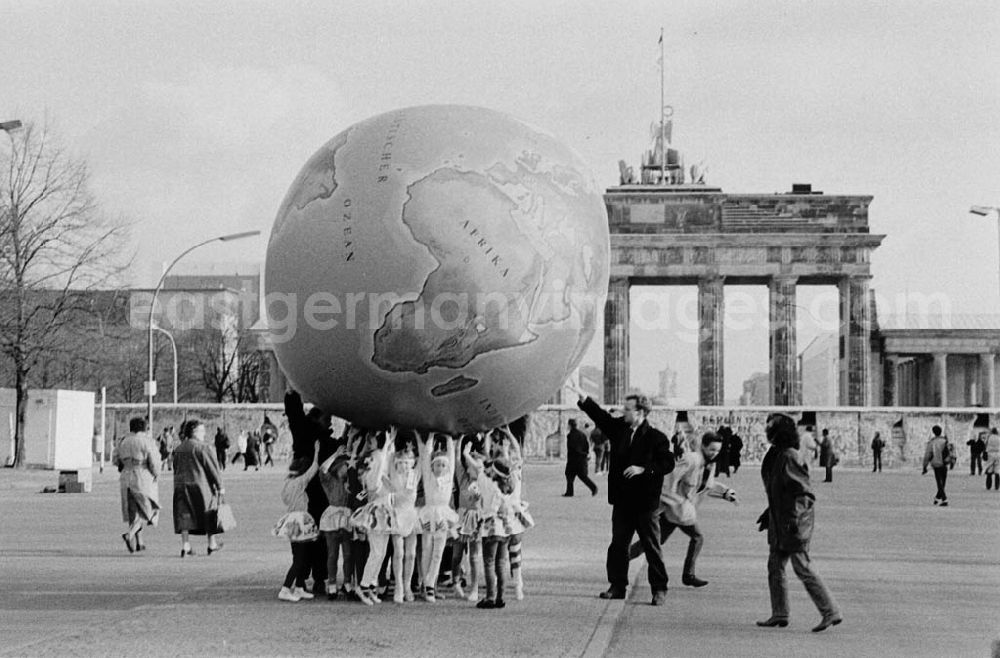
(437, 267)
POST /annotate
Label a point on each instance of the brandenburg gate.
(668, 232)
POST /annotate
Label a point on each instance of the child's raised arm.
(472, 464)
(515, 447)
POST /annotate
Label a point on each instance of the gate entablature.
(664, 234)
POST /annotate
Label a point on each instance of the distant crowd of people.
(255, 448)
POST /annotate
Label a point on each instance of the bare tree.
(249, 370)
(218, 357)
(55, 247)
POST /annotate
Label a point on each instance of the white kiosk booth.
(59, 432)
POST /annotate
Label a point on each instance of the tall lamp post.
(150, 382)
(173, 347)
(986, 211)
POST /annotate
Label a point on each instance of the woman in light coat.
(138, 461)
(197, 480)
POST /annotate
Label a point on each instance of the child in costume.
(437, 519)
(376, 518)
(468, 534)
(298, 526)
(494, 484)
(520, 519)
(403, 480)
(335, 524)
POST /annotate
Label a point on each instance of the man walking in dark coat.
(640, 457)
(788, 520)
(221, 446)
(577, 452)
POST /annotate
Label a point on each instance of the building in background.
(943, 360)
(666, 392)
(818, 367)
(756, 390)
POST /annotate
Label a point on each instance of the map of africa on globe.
(447, 264)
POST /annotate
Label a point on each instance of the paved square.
(912, 579)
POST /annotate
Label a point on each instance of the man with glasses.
(640, 457)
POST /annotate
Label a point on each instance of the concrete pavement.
(912, 579)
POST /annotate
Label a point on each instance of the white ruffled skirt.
(296, 526)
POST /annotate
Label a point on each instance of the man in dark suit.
(640, 457)
(577, 453)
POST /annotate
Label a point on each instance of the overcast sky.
(195, 117)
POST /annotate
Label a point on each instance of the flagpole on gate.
(663, 139)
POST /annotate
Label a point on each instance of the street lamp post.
(173, 347)
(986, 211)
(150, 382)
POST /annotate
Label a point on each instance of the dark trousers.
(696, 540)
(300, 564)
(976, 463)
(268, 456)
(802, 567)
(625, 522)
(876, 461)
(941, 478)
(317, 565)
(574, 471)
(220, 454)
(829, 472)
(359, 555)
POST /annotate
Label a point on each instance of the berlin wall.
(904, 430)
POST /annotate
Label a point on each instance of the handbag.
(220, 517)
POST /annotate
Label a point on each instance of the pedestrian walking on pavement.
(939, 455)
(789, 520)
(577, 456)
(241, 448)
(221, 446)
(138, 461)
(197, 486)
(692, 479)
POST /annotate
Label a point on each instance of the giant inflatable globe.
(438, 267)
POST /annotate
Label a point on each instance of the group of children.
(397, 487)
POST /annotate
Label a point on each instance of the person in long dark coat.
(722, 461)
(252, 456)
(197, 480)
(640, 457)
(789, 522)
(577, 453)
(826, 455)
(306, 430)
(221, 446)
(736, 453)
